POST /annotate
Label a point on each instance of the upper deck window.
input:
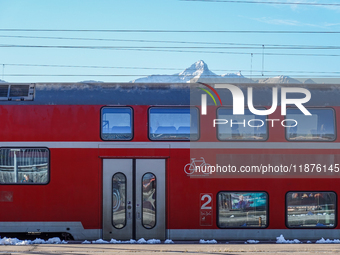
(173, 123)
(116, 123)
(320, 126)
(247, 127)
(24, 165)
(16, 92)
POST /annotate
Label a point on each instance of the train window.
(242, 210)
(247, 127)
(118, 200)
(116, 123)
(311, 209)
(173, 124)
(24, 166)
(149, 200)
(320, 126)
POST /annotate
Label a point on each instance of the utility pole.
(262, 59)
(251, 65)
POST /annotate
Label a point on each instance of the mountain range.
(199, 72)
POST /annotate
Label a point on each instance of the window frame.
(236, 140)
(175, 107)
(48, 168)
(305, 140)
(101, 123)
(251, 191)
(309, 191)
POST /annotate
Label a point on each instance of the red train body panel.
(73, 195)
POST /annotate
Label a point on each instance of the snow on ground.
(118, 241)
(208, 241)
(281, 239)
(100, 241)
(16, 241)
(140, 241)
(56, 240)
(322, 240)
(252, 241)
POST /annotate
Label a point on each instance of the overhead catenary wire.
(214, 48)
(266, 2)
(171, 47)
(161, 49)
(234, 45)
(173, 42)
(140, 75)
(160, 68)
(169, 31)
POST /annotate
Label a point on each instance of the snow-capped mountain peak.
(199, 66)
(200, 72)
(198, 69)
(280, 79)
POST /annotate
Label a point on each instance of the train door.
(134, 199)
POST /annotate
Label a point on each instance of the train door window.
(118, 200)
(149, 200)
(242, 210)
(116, 123)
(320, 126)
(173, 124)
(311, 209)
(247, 127)
(24, 165)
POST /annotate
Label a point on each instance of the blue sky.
(162, 15)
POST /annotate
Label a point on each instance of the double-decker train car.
(130, 161)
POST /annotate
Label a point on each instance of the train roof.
(149, 93)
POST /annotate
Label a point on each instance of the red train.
(129, 161)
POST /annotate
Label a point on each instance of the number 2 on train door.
(206, 209)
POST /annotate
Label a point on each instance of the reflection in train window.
(320, 126)
(116, 123)
(24, 165)
(173, 124)
(247, 127)
(242, 209)
(311, 209)
(149, 200)
(118, 200)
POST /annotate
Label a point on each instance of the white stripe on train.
(176, 145)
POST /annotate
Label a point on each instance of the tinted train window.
(320, 126)
(173, 124)
(119, 200)
(242, 209)
(24, 165)
(311, 209)
(243, 127)
(116, 123)
(149, 200)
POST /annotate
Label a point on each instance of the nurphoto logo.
(238, 104)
